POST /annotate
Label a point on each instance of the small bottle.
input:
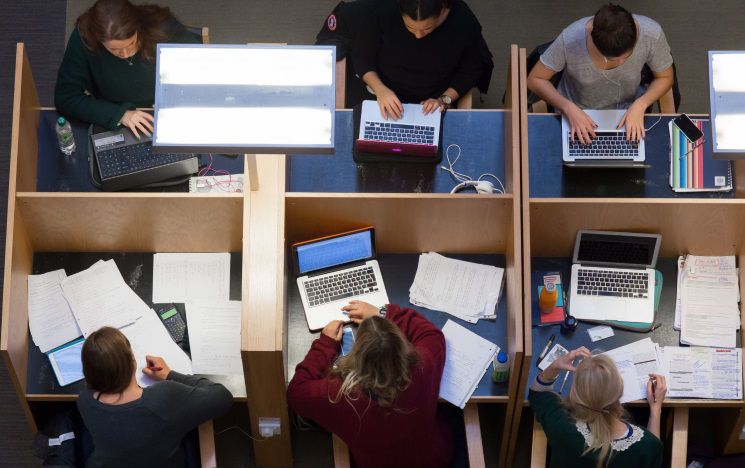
(548, 298)
(65, 137)
(501, 365)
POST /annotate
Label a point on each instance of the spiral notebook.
(692, 168)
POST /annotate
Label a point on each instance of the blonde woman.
(590, 429)
(381, 398)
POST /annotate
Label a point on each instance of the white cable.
(243, 432)
(461, 177)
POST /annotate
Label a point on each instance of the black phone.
(689, 129)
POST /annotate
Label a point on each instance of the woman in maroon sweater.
(380, 399)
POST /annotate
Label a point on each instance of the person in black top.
(423, 51)
(132, 426)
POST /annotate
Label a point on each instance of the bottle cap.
(61, 121)
(502, 357)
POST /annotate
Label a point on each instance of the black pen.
(546, 348)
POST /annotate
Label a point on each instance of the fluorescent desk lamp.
(727, 101)
(244, 99)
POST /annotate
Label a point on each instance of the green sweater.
(114, 86)
(639, 449)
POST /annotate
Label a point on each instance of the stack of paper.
(183, 277)
(467, 357)
(706, 309)
(468, 291)
(215, 336)
(635, 361)
(49, 316)
(702, 372)
(99, 297)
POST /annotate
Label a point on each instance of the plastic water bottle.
(65, 138)
(501, 364)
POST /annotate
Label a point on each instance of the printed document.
(100, 297)
(49, 316)
(703, 372)
(215, 336)
(467, 358)
(148, 336)
(708, 310)
(184, 277)
(636, 361)
(466, 290)
(697, 265)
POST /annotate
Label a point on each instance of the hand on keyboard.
(633, 119)
(138, 120)
(359, 311)
(431, 105)
(389, 104)
(582, 126)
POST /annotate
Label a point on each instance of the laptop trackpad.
(604, 308)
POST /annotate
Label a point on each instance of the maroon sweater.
(412, 435)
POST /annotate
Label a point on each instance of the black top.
(147, 432)
(417, 69)
(115, 85)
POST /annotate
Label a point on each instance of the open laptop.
(613, 276)
(608, 149)
(334, 270)
(414, 134)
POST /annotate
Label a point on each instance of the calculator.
(173, 321)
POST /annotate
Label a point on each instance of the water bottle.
(501, 371)
(65, 138)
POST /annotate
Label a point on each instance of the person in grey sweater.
(142, 427)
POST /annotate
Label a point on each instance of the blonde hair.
(595, 400)
(379, 363)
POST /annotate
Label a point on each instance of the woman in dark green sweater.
(590, 428)
(108, 70)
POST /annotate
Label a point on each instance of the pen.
(546, 348)
(654, 388)
(564, 382)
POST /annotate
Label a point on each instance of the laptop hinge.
(345, 266)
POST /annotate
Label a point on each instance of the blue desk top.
(665, 335)
(479, 134)
(549, 178)
(398, 272)
(60, 173)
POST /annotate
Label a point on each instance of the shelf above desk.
(137, 271)
(549, 178)
(398, 272)
(480, 135)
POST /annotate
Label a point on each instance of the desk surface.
(137, 271)
(665, 335)
(479, 134)
(549, 178)
(398, 273)
(60, 173)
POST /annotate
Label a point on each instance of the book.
(692, 168)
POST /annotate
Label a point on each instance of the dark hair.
(613, 30)
(423, 9)
(108, 363)
(118, 20)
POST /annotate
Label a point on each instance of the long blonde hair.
(595, 400)
(379, 363)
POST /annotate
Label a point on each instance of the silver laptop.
(608, 149)
(613, 276)
(414, 134)
(334, 270)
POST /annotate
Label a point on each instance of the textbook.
(692, 168)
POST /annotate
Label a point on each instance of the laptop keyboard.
(606, 145)
(134, 158)
(612, 283)
(400, 133)
(341, 285)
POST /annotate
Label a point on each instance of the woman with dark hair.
(108, 70)
(381, 398)
(590, 429)
(422, 51)
(132, 426)
(602, 59)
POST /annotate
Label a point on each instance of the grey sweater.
(148, 432)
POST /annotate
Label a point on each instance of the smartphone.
(689, 129)
(347, 340)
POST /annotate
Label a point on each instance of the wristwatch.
(447, 100)
(382, 311)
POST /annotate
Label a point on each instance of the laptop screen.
(616, 249)
(332, 251)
